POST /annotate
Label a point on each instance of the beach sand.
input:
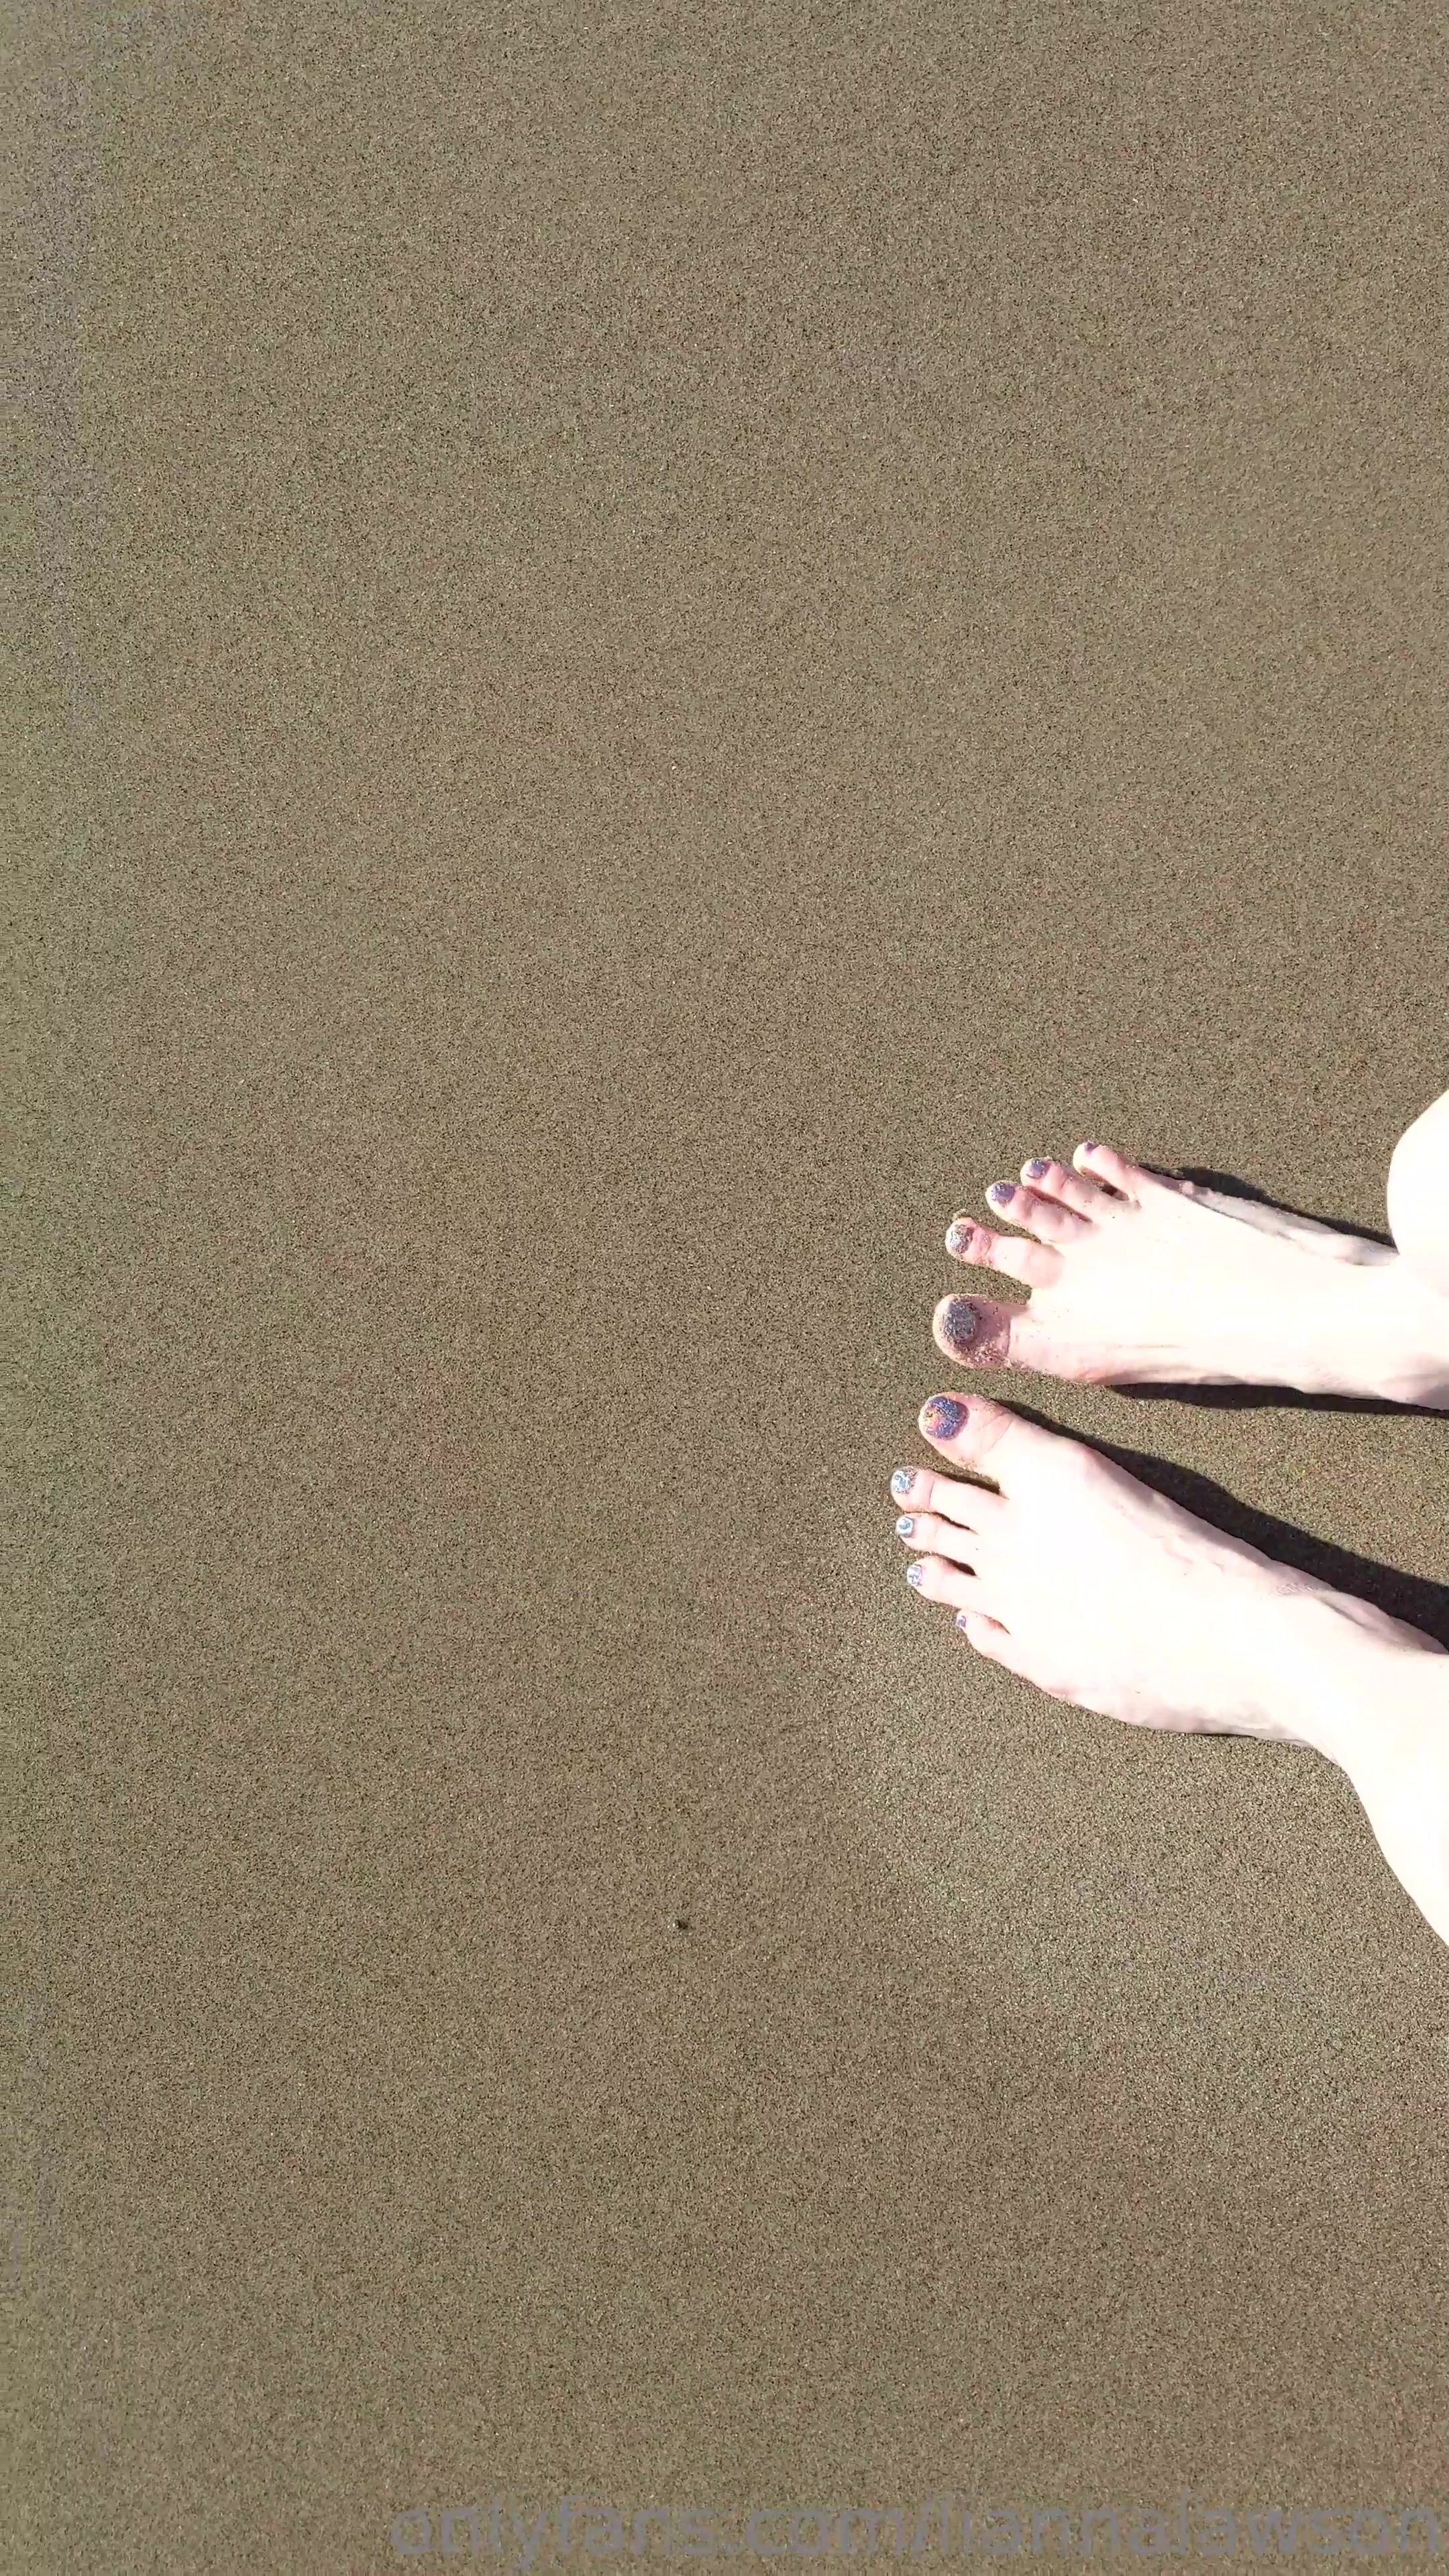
(657, 643)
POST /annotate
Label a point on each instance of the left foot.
(1103, 1592)
(1136, 1280)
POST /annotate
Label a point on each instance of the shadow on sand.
(1404, 1596)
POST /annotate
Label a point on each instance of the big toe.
(977, 1332)
(974, 1431)
(983, 1332)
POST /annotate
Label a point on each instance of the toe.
(970, 1507)
(976, 1332)
(1044, 1218)
(929, 1534)
(985, 1634)
(999, 1646)
(1068, 1188)
(1104, 1163)
(1034, 1263)
(973, 1431)
(925, 1496)
(936, 1579)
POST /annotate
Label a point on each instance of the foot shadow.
(1412, 1597)
(1231, 1399)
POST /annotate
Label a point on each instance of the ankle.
(1415, 1366)
(1365, 1690)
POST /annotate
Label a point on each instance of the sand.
(652, 644)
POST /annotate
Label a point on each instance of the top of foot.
(1102, 1591)
(1137, 1279)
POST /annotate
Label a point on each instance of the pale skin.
(1102, 1592)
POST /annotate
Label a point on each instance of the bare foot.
(1102, 1592)
(1137, 1279)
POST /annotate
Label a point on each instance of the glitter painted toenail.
(902, 1481)
(957, 1237)
(915, 1574)
(1001, 1191)
(905, 1525)
(962, 1616)
(1034, 1170)
(960, 1321)
(944, 1416)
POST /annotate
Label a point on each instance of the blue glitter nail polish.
(915, 1575)
(943, 1416)
(960, 1322)
(1034, 1170)
(902, 1481)
(957, 1237)
(1000, 1192)
(905, 1525)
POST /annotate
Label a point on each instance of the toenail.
(1001, 1191)
(915, 1574)
(905, 1525)
(1035, 1169)
(960, 1321)
(902, 1481)
(963, 1618)
(944, 1416)
(957, 1237)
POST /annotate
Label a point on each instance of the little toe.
(1034, 1263)
(986, 1634)
(999, 1646)
(1104, 1163)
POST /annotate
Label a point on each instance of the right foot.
(1139, 1280)
(1102, 1592)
